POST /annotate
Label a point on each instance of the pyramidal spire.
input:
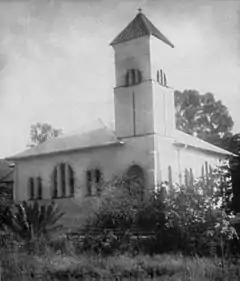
(138, 27)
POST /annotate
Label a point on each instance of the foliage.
(193, 219)
(32, 222)
(41, 132)
(203, 116)
(115, 214)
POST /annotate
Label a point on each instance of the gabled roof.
(138, 27)
(79, 141)
(188, 140)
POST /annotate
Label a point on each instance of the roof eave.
(16, 158)
(115, 42)
(226, 153)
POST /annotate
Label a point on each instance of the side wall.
(111, 160)
(169, 155)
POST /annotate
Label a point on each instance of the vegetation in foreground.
(118, 267)
(184, 234)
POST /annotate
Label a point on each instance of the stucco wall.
(112, 160)
(134, 119)
(132, 54)
(181, 158)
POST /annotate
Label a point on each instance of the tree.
(203, 116)
(41, 132)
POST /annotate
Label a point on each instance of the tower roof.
(138, 27)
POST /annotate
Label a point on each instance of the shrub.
(192, 219)
(33, 224)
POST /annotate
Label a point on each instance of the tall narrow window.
(63, 179)
(71, 181)
(98, 179)
(89, 183)
(55, 184)
(31, 188)
(39, 188)
(94, 182)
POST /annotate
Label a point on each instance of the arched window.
(31, 188)
(161, 78)
(63, 181)
(39, 188)
(94, 180)
(137, 180)
(133, 77)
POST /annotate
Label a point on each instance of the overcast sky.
(56, 64)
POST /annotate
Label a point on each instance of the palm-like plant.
(33, 221)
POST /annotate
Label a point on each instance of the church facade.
(145, 140)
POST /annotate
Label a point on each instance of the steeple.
(138, 27)
(143, 100)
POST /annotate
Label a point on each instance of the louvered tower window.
(133, 77)
(161, 78)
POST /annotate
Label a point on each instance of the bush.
(191, 219)
(33, 224)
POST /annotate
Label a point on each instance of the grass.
(122, 267)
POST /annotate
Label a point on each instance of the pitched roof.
(185, 139)
(138, 27)
(96, 138)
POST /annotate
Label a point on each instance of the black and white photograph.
(120, 140)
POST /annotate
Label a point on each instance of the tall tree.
(41, 132)
(203, 116)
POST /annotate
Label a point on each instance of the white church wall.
(162, 57)
(133, 54)
(111, 160)
(196, 160)
(180, 159)
(167, 156)
(164, 111)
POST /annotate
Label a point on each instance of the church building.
(145, 140)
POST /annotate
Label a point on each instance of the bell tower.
(143, 101)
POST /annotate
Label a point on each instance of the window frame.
(31, 187)
(94, 178)
(63, 184)
(133, 77)
(39, 188)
